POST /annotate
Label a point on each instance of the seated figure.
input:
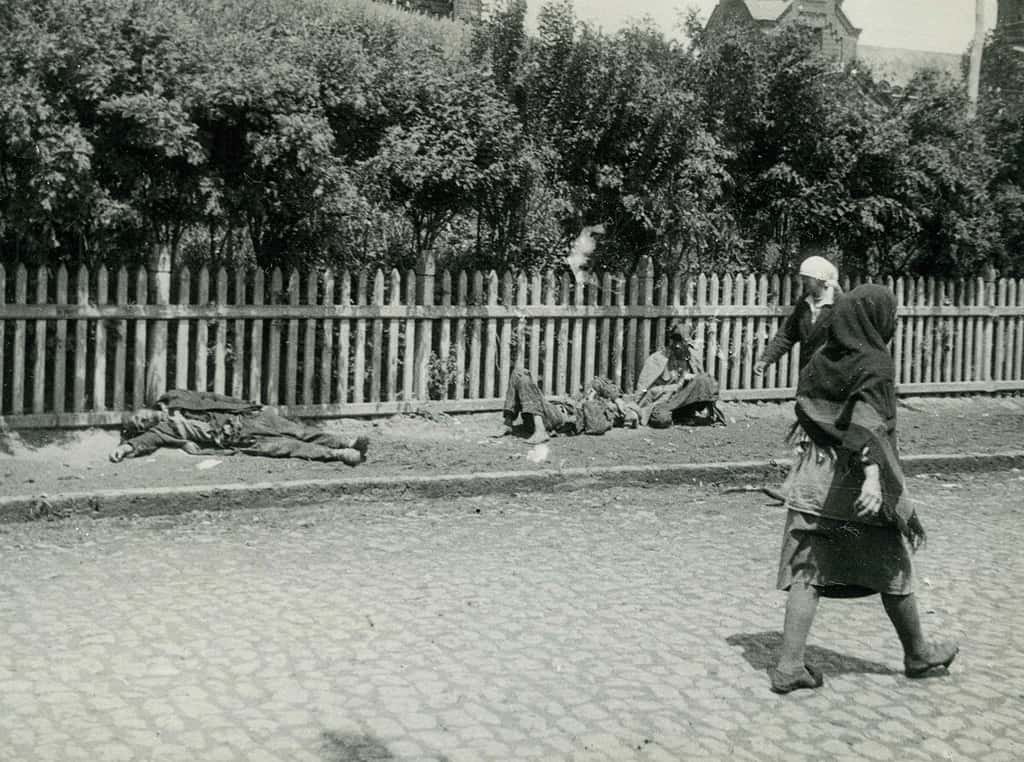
(193, 421)
(592, 412)
(673, 387)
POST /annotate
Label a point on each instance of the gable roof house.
(837, 36)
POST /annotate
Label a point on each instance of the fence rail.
(79, 348)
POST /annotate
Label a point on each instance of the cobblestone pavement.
(604, 625)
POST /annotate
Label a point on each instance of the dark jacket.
(798, 328)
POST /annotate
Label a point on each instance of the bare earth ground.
(52, 462)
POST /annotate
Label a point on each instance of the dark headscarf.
(854, 363)
(846, 396)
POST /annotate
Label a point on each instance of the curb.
(219, 497)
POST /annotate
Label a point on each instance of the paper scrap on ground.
(538, 454)
(206, 464)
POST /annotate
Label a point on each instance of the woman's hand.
(869, 503)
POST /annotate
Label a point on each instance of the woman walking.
(850, 530)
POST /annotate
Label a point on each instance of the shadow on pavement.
(760, 649)
(349, 747)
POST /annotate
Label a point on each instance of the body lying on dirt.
(198, 421)
(595, 411)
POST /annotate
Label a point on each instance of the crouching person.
(194, 421)
(600, 408)
(673, 387)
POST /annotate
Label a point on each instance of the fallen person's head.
(139, 421)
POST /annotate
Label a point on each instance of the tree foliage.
(353, 132)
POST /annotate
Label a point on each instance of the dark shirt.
(799, 328)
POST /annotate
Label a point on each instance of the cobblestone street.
(608, 625)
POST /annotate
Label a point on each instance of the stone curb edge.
(217, 497)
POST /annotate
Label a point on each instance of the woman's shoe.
(935, 655)
(785, 682)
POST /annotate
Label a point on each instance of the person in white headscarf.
(807, 323)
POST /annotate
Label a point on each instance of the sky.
(939, 25)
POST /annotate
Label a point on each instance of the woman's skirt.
(843, 559)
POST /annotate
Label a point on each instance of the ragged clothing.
(594, 412)
(210, 420)
(671, 386)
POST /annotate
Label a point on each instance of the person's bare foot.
(123, 450)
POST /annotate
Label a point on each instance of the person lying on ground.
(807, 324)
(595, 411)
(194, 421)
(673, 387)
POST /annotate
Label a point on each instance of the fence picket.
(394, 330)
(256, 340)
(959, 334)
(461, 377)
(621, 294)
(60, 348)
(491, 347)
(760, 335)
(425, 330)
(3, 333)
(141, 330)
(81, 347)
(18, 350)
(634, 297)
(981, 325)
(920, 344)
(182, 326)
(1018, 344)
(606, 327)
(505, 354)
(590, 349)
(476, 339)
(946, 335)
(576, 368)
(274, 339)
(292, 347)
(998, 371)
(773, 373)
(237, 355)
(377, 345)
(749, 336)
(535, 327)
(39, 344)
(359, 377)
(344, 349)
(550, 298)
(99, 365)
(444, 340)
(564, 349)
(522, 295)
(327, 340)
(221, 342)
(201, 351)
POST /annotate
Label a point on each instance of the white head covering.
(821, 269)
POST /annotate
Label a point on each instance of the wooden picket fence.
(80, 348)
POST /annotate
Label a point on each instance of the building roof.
(767, 10)
(899, 65)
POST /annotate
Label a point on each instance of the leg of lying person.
(269, 424)
(525, 397)
(289, 447)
